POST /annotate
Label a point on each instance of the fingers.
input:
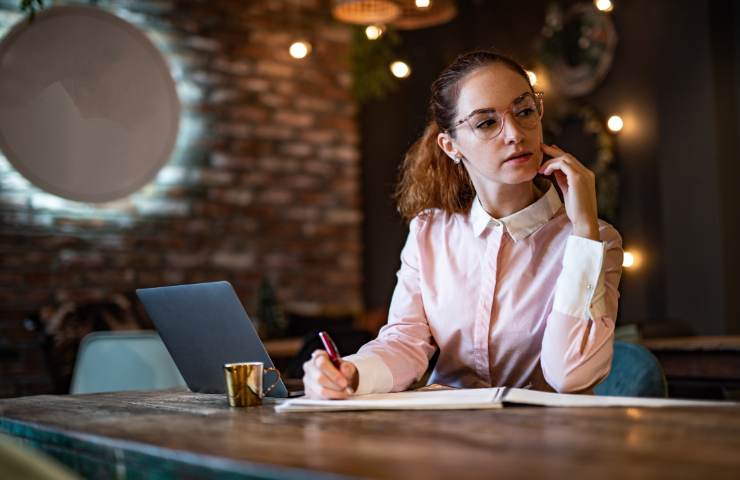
(552, 150)
(560, 160)
(560, 163)
(321, 378)
(348, 370)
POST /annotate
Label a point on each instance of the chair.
(116, 361)
(20, 461)
(635, 373)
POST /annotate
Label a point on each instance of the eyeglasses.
(487, 123)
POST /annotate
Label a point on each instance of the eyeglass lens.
(488, 124)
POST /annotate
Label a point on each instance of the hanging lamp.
(413, 17)
(366, 12)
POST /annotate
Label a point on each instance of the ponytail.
(430, 179)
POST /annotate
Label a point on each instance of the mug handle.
(275, 383)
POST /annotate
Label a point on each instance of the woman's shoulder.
(436, 220)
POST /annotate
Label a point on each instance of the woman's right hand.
(322, 380)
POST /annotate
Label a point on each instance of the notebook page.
(547, 399)
(462, 399)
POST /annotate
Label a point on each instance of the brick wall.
(264, 180)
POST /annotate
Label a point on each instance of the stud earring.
(458, 158)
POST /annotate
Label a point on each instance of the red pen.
(331, 349)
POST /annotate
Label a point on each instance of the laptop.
(204, 326)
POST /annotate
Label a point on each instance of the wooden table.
(177, 434)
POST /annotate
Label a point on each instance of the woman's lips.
(519, 158)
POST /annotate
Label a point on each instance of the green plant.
(369, 62)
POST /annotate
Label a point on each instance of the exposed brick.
(234, 68)
(343, 216)
(274, 100)
(294, 119)
(233, 260)
(226, 160)
(187, 260)
(315, 104)
(201, 43)
(233, 196)
(225, 95)
(274, 132)
(276, 197)
(274, 69)
(254, 84)
(297, 149)
(321, 137)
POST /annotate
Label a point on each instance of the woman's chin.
(522, 175)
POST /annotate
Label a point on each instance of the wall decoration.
(577, 47)
(88, 108)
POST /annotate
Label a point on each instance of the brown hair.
(428, 178)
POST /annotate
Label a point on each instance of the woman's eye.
(488, 123)
(525, 112)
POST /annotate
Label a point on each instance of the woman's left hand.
(578, 185)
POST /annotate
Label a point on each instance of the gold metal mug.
(244, 383)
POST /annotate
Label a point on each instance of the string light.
(300, 49)
(532, 77)
(373, 32)
(423, 3)
(631, 260)
(400, 69)
(604, 5)
(615, 123)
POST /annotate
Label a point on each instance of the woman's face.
(515, 154)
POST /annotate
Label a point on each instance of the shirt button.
(589, 286)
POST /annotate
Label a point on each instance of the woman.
(513, 287)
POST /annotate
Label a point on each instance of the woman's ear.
(446, 144)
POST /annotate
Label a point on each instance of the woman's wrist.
(587, 230)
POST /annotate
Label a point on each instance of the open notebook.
(479, 398)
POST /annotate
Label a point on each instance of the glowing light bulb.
(532, 77)
(300, 49)
(373, 32)
(632, 259)
(423, 3)
(615, 123)
(400, 69)
(604, 5)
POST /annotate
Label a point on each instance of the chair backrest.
(635, 373)
(117, 361)
(21, 461)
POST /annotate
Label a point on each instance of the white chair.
(22, 461)
(117, 361)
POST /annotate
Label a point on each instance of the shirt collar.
(520, 224)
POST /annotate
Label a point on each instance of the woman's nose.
(513, 132)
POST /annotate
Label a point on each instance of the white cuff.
(580, 278)
(375, 376)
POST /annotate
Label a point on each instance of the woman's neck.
(501, 200)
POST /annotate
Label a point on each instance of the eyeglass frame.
(538, 101)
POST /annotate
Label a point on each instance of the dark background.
(282, 177)
(674, 82)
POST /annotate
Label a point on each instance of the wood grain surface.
(177, 434)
